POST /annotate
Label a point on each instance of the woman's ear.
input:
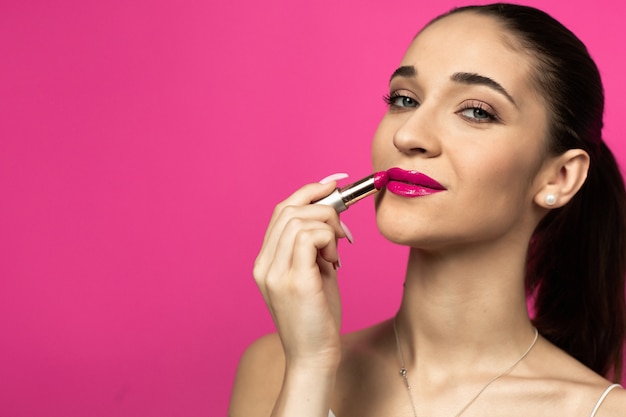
(562, 178)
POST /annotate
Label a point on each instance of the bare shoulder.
(567, 386)
(260, 372)
(259, 378)
(614, 405)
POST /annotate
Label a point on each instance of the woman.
(501, 108)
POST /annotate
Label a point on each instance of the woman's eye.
(475, 112)
(400, 101)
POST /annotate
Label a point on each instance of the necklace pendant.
(403, 372)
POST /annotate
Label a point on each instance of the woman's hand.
(296, 273)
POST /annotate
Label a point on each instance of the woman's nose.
(416, 135)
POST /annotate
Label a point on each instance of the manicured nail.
(334, 177)
(347, 231)
(337, 263)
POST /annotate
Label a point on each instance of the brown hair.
(577, 255)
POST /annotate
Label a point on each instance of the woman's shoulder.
(612, 402)
(560, 382)
(261, 368)
(259, 377)
(263, 359)
(266, 346)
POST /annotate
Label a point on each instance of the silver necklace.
(403, 371)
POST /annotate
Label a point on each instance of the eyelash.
(480, 106)
(391, 98)
(475, 105)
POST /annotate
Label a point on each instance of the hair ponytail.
(577, 262)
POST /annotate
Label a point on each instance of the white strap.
(602, 397)
(330, 413)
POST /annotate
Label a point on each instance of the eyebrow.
(476, 79)
(408, 71)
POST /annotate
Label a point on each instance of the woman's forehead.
(469, 42)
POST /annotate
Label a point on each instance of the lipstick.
(344, 197)
(412, 183)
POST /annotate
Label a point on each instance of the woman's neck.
(463, 307)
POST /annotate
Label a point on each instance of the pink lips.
(381, 179)
(411, 183)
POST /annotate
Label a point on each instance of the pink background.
(143, 145)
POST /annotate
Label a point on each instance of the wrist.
(322, 365)
(307, 390)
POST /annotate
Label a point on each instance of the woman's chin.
(396, 232)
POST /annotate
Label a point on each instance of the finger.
(296, 279)
(320, 213)
(280, 267)
(313, 246)
(300, 233)
(303, 196)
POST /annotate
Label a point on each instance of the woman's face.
(463, 112)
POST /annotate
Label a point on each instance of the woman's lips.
(412, 183)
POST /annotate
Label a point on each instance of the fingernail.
(347, 231)
(334, 177)
(337, 263)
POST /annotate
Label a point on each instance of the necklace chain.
(405, 377)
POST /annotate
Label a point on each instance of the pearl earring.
(550, 199)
